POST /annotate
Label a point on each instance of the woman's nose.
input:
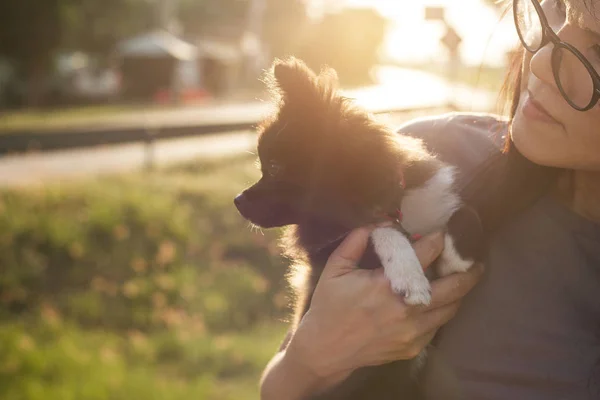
(541, 62)
(540, 65)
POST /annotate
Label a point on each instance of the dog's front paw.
(401, 266)
(414, 287)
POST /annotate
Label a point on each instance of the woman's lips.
(534, 110)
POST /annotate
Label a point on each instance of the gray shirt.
(530, 329)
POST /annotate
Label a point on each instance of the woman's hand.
(356, 320)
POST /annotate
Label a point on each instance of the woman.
(530, 328)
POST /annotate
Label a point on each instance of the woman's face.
(546, 129)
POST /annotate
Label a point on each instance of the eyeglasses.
(576, 78)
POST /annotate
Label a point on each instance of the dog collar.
(396, 218)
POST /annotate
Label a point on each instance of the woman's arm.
(287, 377)
(356, 320)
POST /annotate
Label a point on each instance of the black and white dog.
(328, 167)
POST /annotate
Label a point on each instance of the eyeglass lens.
(572, 77)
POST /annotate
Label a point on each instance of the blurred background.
(125, 133)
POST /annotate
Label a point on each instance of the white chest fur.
(429, 207)
(425, 209)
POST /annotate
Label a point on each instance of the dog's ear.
(293, 76)
(295, 81)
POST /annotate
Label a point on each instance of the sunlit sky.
(485, 38)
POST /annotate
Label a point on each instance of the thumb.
(347, 255)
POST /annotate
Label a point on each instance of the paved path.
(399, 89)
(64, 165)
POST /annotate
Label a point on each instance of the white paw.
(450, 261)
(414, 287)
(401, 266)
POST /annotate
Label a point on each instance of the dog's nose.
(242, 204)
(239, 199)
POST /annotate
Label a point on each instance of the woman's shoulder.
(465, 140)
(469, 121)
(459, 130)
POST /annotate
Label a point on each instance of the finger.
(348, 253)
(432, 320)
(454, 287)
(429, 247)
(422, 341)
(415, 348)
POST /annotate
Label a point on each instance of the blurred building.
(161, 64)
(152, 62)
(219, 62)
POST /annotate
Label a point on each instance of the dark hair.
(510, 92)
(508, 182)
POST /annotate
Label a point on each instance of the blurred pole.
(252, 46)
(150, 136)
(254, 22)
(167, 16)
(451, 41)
(167, 20)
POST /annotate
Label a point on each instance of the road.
(398, 89)
(65, 165)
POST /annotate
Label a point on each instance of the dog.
(328, 167)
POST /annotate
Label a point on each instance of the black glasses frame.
(548, 35)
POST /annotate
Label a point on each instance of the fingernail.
(415, 237)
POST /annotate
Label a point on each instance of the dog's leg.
(450, 260)
(401, 265)
(462, 243)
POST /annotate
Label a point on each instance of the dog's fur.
(328, 167)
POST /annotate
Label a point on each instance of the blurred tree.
(348, 41)
(284, 24)
(220, 17)
(276, 24)
(287, 30)
(282, 21)
(96, 26)
(30, 31)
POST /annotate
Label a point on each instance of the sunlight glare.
(412, 39)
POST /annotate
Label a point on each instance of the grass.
(56, 360)
(144, 286)
(479, 77)
(66, 117)
(77, 116)
(140, 286)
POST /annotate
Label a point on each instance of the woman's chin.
(534, 141)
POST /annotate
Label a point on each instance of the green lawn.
(145, 286)
(66, 117)
(479, 77)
